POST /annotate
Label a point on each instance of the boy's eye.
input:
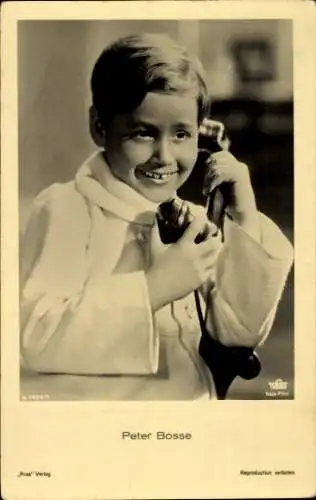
(148, 135)
(182, 135)
(142, 134)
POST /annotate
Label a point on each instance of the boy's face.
(154, 148)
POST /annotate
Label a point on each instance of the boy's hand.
(182, 267)
(224, 168)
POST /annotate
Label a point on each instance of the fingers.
(225, 158)
(212, 128)
(212, 229)
(217, 176)
(206, 251)
(200, 224)
(223, 167)
(194, 228)
(211, 245)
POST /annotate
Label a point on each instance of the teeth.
(156, 175)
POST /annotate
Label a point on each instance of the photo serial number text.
(159, 436)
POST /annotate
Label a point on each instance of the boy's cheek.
(191, 155)
(136, 154)
(187, 154)
(187, 163)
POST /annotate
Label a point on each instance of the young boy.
(101, 294)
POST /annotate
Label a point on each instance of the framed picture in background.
(254, 59)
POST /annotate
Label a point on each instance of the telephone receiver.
(174, 215)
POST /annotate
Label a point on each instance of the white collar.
(95, 181)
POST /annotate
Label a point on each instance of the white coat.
(84, 300)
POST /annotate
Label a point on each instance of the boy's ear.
(97, 130)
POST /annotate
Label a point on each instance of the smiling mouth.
(158, 176)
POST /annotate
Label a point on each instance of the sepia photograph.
(135, 137)
(158, 250)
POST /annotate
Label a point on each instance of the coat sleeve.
(247, 284)
(69, 323)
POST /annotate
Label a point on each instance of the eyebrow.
(132, 122)
(184, 125)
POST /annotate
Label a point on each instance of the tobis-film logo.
(277, 387)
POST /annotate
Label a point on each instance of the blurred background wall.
(249, 72)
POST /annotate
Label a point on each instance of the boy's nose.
(163, 152)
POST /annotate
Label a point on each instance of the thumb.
(155, 235)
(156, 247)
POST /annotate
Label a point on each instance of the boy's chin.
(158, 195)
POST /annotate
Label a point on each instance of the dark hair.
(137, 64)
